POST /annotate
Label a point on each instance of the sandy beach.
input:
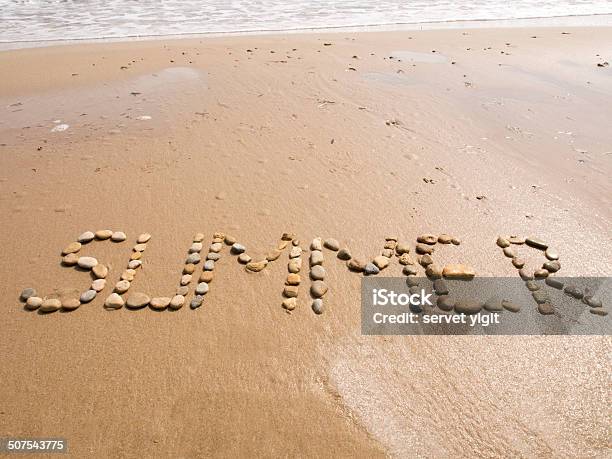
(352, 136)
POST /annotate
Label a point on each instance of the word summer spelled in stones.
(203, 270)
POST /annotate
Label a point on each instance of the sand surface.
(354, 136)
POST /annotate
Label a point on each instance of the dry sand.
(511, 129)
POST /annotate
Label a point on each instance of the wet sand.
(354, 136)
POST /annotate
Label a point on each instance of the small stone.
(493, 305)
(244, 258)
(27, 293)
(429, 239)
(196, 302)
(215, 247)
(509, 252)
(593, 302)
(425, 260)
(295, 252)
(207, 276)
(98, 285)
(598, 311)
(198, 237)
(391, 238)
(202, 288)
(33, 303)
(540, 273)
(136, 256)
(390, 245)
(143, 238)
(546, 309)
(209, 265)
(573, 291)
(237, 249)
(468, 307)
(455, 241)
(282, 245)
(103, 234)
(344, 254)
(510, 306)
(317, 306)
(413, 282)
(100, 271)
(293, 279)
(532, 286)
(189, 268)
(332, 244)
(159, 303)
(288, 236)
(137, 300)
(356, 265)
(88, 296)
(213, 256)
(516, 240)
(139, 247)
(193, 259)
(295, 265)
(316, 257)
(273, 255)
(458, 271)
(518, 262)
(183, 290)
(316, 244)
(554, 283)
(551, 254)
(424, 249)
(87, 262)
(434, 271)
(445, 303)
(402, 248)
(371, 269)
(118, 236)
(387, 253)
(536, 243)
(219, 236)
(114, 301)
(410, 270)
(503, 242)
(177, 302)
(256, 266)
(70, 260)
(552, 266)
(440, 287)
(317, 272)
(133, 264)
(445, 239)
(196, 247)
(186, 279)
(540, 296)
(229, 240)
(318, 289)
(290, 291)
(73, 247)
(128, 275)
(86, 237)
(295, 242)
(122, 286)
(525, 275)
(381, 262)
(290, 303)
(50, 305)
(70, 304)
(405, 259)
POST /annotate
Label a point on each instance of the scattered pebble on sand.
(87, 262)
(318, 306)
(73, 247)
(33, 303)
(332, 244)
(159, 303)
(318, 289)
(118, 236)
(177, 302)
(143, 238)
(86, 237)
(88, 296)
(102, 235)
(50, 305)
(137, 300)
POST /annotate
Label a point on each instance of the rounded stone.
(458, 271)
(229, 240)
(516, 240)
(503, 242)
(70, 260)
(118, 236)
(317, 272)
(344, 254)
(573, 291)
(402, 248)
(405, 259)
(87, 262)
(356, 265)
(525, 274)
(332, 244)
(445, 239)
(455, 241)
(98, 285)
(189, 268)
(468, 307)
(429, 239)
(273, 254)
(434, 271)
(237, 249)
(143, 238)
(186, 279)
(593, 302)
(195, 247)
(289, 303)
(536, 243)
(445, 303)
(316, 244)
(27, 293)
(159, 303)
(318, 306)
(215, 247)
(423, 249)
(409, 270)
(493, 305)
(413, 282)
(509, 252)
(554, 283)
(371, 269)
(139, 247)
(316, 258)
(518, 262)
(295, 252)
(202, 288)
(207, 276)
(425, 260)
(294, 265)
(209, 265)
(318, 289)
(290, 291)
(50, 305)
(73, 247)
(510, 306)
(133, 264)
(598, 311)
(213, 256)
(103, 234)
(546, 309)
(540, 296)
(137, 300)
(193, 259)
(440, 287)
(256, 266)
(552, 266)
(70, 304)
(381, 262)
(88, 296)
(122, 286)
(100, 271)
(196, 302)
(293, 279)
(128, 275)
(33, 302)
(387, 253)
(86, 237)
(183, 290)
(177, 302)
(551, 254)
(136, 256)
(540, 273)
(532, 285)
(198, 237)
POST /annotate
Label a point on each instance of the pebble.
(114, 301)
(409, 270)
(293, 279)
(402, 248)
(316, 244)
(540, 296)
(429, 239)
(318, 289)
(532, 286)
(390, 245)
(70, 304)
(137, 300)
(70, 260)
(159, 303)
(118, 236)
(290, 291)
(552, 266)
(128, 275)
(229, 240)
(388, 253)
(510, 306)
(177, 302)
(536, 243)
(381, 262)
(598, 311)
(183, 290)
(316, 258)
(554, 283)
(516, 240)
(440, 287)
(425, 260)
(434, 271)
(206, 276)
(525, 275)
(196, 302)
(295, 265)
(546, 309)
(213, 256)
(50, 305)
(73, 247)
(356, 265)
(189, 268)
(34, 302)
(332, 244)
(412, 281)
(209, 265)
(593, 302)
(237, 249)
(289, 303)
(186, 279)
(424, 249)
(371, 269)
(445, 303)
(98, 285)
(88, 296)
(518, 262)
(202, 288)
(198, 237)
(445, 239)
(136, 256)
(256, 266)
(103, 234)
(143, 238)
(27, 293)
(86, 237)
(244, 258)
(344, 254)
(503, 242)
(122, 286)
(493, 305)
(458, 271)
(133, 264)
(273, 255)
(100, 271)
(193, 259)
(288, 236)
(573, 291)
(317, 306)
(215, 247)
(317, 272)
(455, 241)
(405, 259)
(551, 254)
(195, 247)
(140, 247)
(540, 273)
(295, 242)
(391, 238)
(295, 252)
(509, 252)
(87, 262)
(468, 307)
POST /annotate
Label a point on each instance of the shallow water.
(45, 20)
